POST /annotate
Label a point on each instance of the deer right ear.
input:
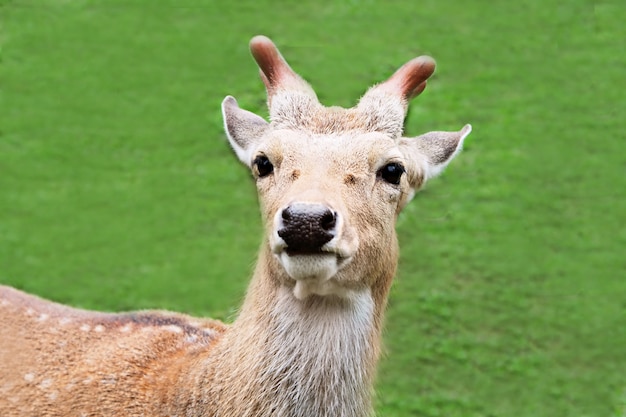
(431, 152)
(243, 129)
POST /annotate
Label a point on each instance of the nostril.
(286, 215)
(328, 220)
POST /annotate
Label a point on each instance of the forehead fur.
(296, 111)
(351, 152)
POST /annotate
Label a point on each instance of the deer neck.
(289, 357)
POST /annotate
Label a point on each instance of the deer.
(306, 341)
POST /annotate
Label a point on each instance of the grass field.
(118, 190)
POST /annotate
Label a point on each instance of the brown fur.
(306, 341)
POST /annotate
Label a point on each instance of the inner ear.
(243, 128)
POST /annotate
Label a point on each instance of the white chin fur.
(313, 275)
(306, 267)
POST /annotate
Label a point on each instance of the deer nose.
(306, 227)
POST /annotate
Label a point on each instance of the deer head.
(331, 181)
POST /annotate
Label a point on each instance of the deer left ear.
(243, 128)
(430, 153)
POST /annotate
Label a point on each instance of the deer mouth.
(312, 252)
(280, 249)
(301, 251)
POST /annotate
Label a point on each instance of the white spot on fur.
(126, 328)
(209, 331)
(4, 303)
(99, 328)
(85, 327)
(65, 320)
(30, 312)
(192, 338)
(43, 317)
(173, 328)
(88, 380)
(6, 388)
(45, 384)
(53, 395)
(29, 377)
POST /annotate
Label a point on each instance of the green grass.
(118, 190)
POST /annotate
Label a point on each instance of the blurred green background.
(118, 190)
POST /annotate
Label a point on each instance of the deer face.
(331, 181)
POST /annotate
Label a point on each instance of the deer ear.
(243, 128)
(431, 152)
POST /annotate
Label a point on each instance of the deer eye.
(263, 165)
(392, 173)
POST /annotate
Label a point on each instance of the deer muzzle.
(311, 243)
(306, 228)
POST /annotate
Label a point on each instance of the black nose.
(307, 227)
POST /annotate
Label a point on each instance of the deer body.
(331, 182)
